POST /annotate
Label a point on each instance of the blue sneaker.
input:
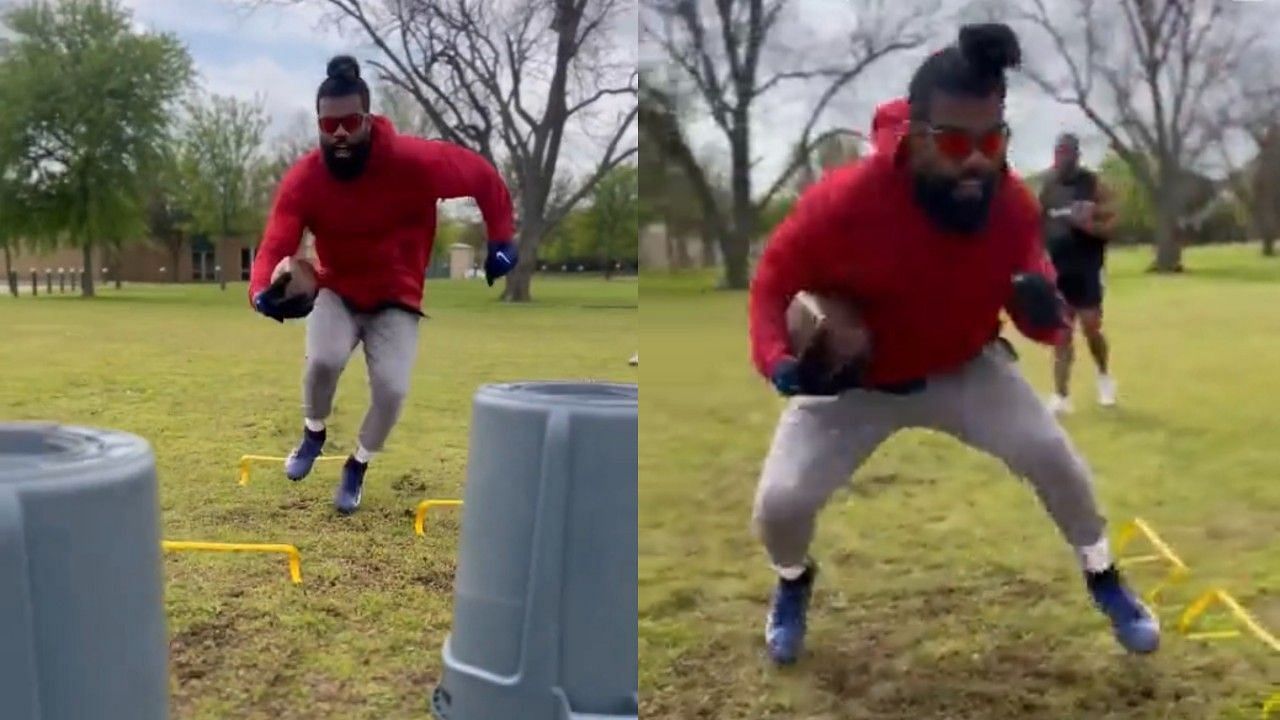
(299, 462)
(347, 499)
(1136, 627)
(786, 624)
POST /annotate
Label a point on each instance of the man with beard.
(369, 197)
(929, 238)
(1078, 218)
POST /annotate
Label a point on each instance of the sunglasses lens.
(350, 123)
(954, 144)
(992, 144)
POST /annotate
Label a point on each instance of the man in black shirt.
(1077, 224)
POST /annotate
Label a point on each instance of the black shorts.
(1082, 289)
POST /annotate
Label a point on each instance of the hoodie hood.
(383, 139)
(889, 125)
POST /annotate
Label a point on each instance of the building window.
(201, 265)
(246, 262)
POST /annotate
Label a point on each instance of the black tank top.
(1069, 247)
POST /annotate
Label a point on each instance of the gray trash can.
(82, 625)
(545, 608)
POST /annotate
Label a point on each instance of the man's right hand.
(273, 303)
(786, 377)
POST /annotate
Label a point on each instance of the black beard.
(346, 169)
(962, 215)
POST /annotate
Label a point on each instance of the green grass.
(194, 371)
(946, 591)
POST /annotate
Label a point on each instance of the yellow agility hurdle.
(295, 558)
(420, 516)
(246, 463)
(1178, 570)
(1218, 596)
(1272, 703)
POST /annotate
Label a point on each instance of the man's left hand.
(1037, 300)
(502, 259)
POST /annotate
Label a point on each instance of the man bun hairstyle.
(974, 67)
(343, 78)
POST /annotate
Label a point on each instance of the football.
(826, 333)
(302, 277)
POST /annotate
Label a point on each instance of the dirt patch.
(437, 579)
(373, 571)
(198, 651)
(702, 684)
(298, 503)
(872, 485)
(678, 602)
(410, 482)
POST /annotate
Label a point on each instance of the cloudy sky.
(277, 51)
(813, 31)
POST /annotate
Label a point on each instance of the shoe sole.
(304, 473)
(347, 511)
(1140, 650)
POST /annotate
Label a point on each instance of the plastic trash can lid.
(563, 392)
(49, 449)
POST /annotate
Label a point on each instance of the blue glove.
(273, 303)
(1037, 300)
(797, 377)
(501, 260)
(786, 377)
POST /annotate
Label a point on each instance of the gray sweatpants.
(390, 340)
(986, 404)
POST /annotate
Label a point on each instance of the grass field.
(194, 371)
(946, 592)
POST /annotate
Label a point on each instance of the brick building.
(191, 259)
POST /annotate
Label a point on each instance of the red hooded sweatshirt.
(889, 124)
(930, 298)
(373, 235)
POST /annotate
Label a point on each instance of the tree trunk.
(1267, 231)
(1168, 241)
(8, 272)
(518, 284)
(708, 251)
(738, 246)
(1261, 228)
(680, 259)
(86, 289)
(519, 281)
(175, 256)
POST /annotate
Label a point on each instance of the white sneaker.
(1106, 391)
(1058, 405)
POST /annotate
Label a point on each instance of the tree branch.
(800, 158)
(610, 161)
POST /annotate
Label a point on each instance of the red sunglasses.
(351, 123)
(957, 144)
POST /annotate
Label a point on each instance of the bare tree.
(721, 48)
(1147, 74)
(512, 80)
(1252, 121)
(403, 110)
